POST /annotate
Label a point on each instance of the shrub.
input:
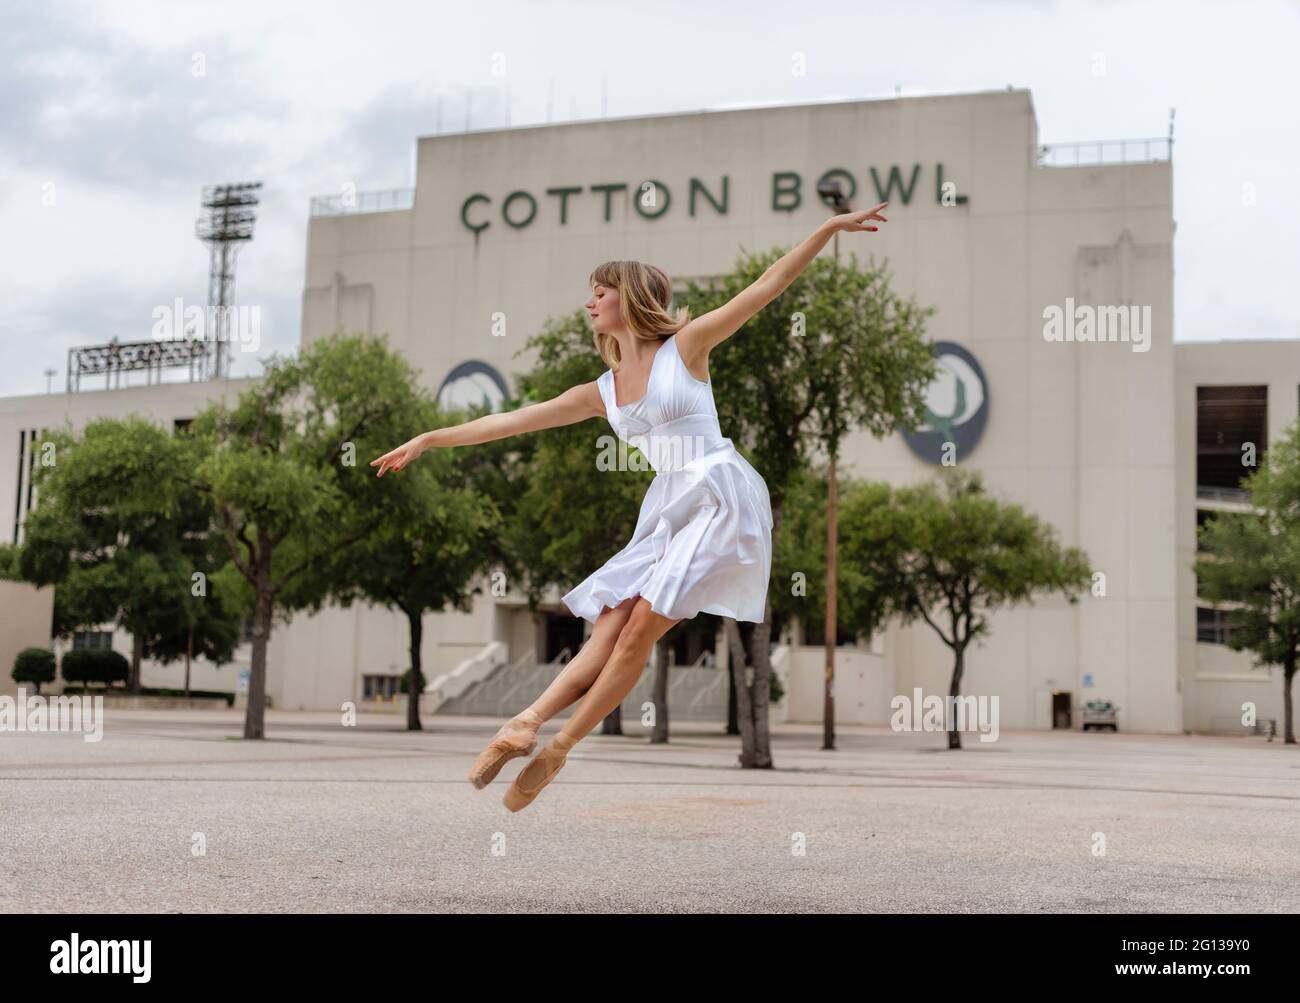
(34, 665)
(94, 665)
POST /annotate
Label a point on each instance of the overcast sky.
(114, 115)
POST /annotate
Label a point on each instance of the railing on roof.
(1213, 492)
(1106, 151)
(389, 200)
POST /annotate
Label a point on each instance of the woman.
(703, 540)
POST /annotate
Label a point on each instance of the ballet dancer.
(703, 538)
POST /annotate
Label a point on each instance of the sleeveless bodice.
(675, 422)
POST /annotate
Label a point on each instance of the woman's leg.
(582, 670)
(517, 736)
(643, 628)
(616, 678)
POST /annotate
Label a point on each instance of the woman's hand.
(398, 458)
(855, 222)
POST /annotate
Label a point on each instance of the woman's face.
(603, 308)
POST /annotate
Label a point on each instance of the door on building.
(1061, 709)
(694, 638)
(562, 631)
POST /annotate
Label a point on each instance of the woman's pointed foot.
(517, 737)
(538, 773)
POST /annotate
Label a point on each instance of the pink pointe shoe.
(517, 737)
(540, 772)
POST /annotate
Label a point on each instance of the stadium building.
(1051, 273)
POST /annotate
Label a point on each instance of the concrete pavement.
(371, 818)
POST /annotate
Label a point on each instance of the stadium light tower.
(229, 212)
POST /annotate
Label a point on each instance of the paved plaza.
(174, 811)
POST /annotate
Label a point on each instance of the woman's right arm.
(575, 404)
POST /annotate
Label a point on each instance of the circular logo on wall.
(956, 407)
(472, 384)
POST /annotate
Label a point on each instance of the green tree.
(120, 533)
(432, 533)
(1251, 566)
(945, 552)
(567, 520)
(9, 571)
(799, 557)
(276, 467)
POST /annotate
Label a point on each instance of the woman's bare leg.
(643, 628)
(517, 736)
(582, 670)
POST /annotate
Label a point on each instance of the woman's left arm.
(706, 332)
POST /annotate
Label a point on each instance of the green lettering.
(785, 183)
(564, 194)
(609, 190)
(654, 188)
(464, 209)
(850, 189)
(938, 187)
(697, 187)
(505, 209)
(895, 175)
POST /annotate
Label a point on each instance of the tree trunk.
(733, 721)
(659, 693)
(760, 643)
(416, 621)
(954, 736)
(744, 708)
(832, 627)
(613, 723)
(761, 692)
(255, 715)
(137, 653)
(189, 654)
(1288, 672)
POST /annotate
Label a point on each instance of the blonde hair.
(645, 297)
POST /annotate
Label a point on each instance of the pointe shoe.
(517, 737)
(540, 772)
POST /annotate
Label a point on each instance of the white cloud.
(101, 102)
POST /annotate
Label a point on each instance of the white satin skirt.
(702, 544)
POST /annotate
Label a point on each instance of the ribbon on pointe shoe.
(545, 764)
(514, 738)
(517, 733)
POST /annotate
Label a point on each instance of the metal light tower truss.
(227, 222)
(116, 358)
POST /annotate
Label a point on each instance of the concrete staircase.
(695, 692)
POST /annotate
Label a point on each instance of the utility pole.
(831, 192)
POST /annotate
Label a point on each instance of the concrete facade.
(1093, 437)
(1217, 681)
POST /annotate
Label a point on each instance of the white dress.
(703, 540)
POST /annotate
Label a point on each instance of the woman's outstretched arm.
(706, 332)
(574, 405)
